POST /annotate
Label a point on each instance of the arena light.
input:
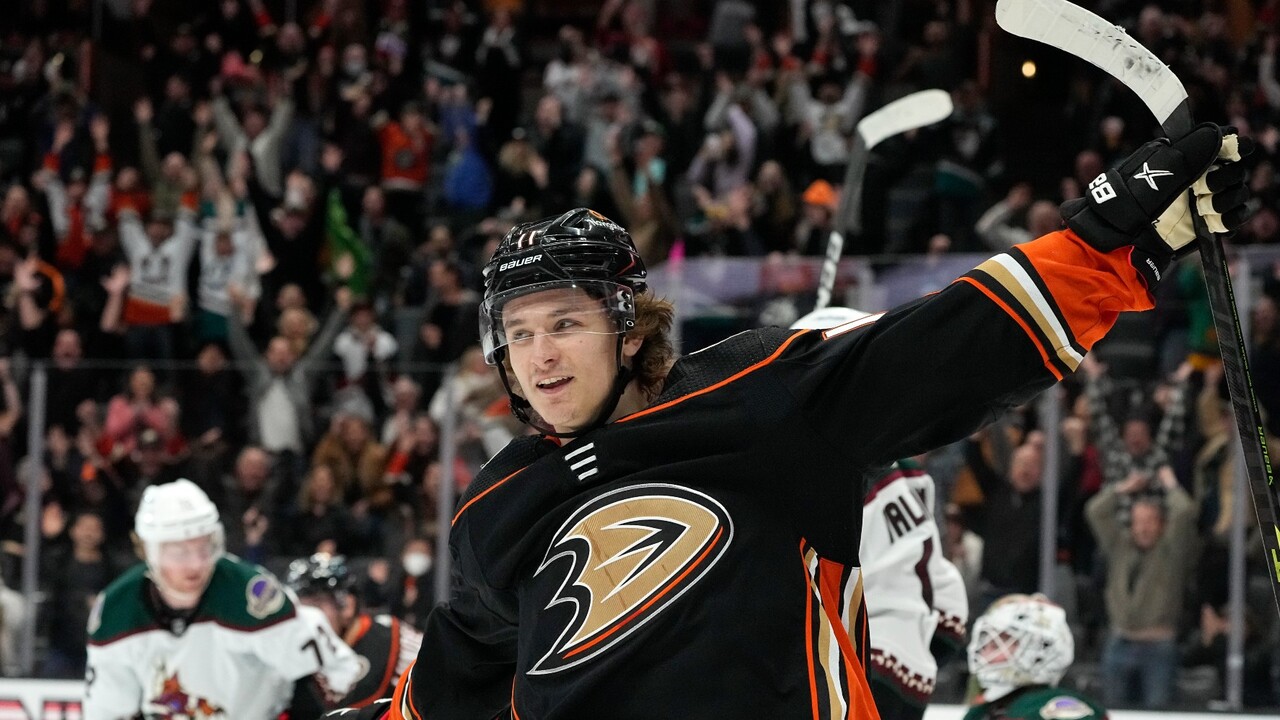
(1028, 69)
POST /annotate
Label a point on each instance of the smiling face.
(562, 351)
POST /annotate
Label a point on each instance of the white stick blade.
(913, 111)
(1073, 29)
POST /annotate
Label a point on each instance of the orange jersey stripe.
(718, 385)
(393, 659)
(1044, 356)
(400, 699)
(1090, 288)
(808, 634)
(829, 574)
(486, 492)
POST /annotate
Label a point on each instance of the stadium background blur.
(243, 237)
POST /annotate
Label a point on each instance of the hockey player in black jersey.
(678, 542)
(385, 644)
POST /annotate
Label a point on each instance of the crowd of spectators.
(244, 237)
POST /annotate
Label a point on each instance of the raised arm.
(224, 119)
(1174, 422)
(117, 286)
(242, 347)
(281, 116)
(944, 365)
(1101, 513)
(322, 344)
(148, 150)
(54, 189)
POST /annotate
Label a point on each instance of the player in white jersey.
(195, 634)
(915, 598)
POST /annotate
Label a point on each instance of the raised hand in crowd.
(100, 132)
(143, 111)
(202, 114)
(1136, 482)
(1092, 367)
(256, 525)
(1075, 434)
(118, 281)
(63, 133)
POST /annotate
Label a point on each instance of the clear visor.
(179, 554)
(554, 310)
(182, 569)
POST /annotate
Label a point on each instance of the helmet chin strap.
(520, 407)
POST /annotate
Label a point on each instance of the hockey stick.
(1075, 30)
(908, 113)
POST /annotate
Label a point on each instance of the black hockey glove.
(1220, 197)
(374, 711)
(1143, 203)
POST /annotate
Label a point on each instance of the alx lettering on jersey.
(626, 556)
(902, 516)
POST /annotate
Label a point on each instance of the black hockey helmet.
(580, 248)
(320, 574)
(577, 249)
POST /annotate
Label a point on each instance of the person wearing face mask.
(414, 595)
(194, 632)
(386, 644)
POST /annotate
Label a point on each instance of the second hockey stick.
(908, 113)
(1073, 29)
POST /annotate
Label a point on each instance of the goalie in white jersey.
(194, 633)
(915, 598)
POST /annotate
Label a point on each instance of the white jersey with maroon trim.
(235, 657)
(912, 592)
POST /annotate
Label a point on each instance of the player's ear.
(631, 345)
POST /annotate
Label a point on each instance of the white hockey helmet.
(173, 512)
(828, 317)
(1020, 640)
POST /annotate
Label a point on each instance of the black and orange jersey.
(386, 646)
(389, 645)
(698, 559)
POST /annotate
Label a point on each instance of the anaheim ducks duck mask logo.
(627, 556)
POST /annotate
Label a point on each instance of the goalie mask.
(582, 250)
(1020, 640)
(182, 539)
